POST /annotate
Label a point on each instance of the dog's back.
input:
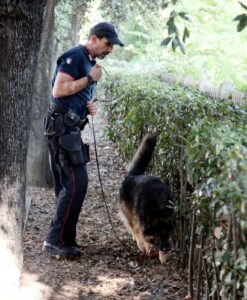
(145, 201)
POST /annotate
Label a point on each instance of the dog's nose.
(166, 247)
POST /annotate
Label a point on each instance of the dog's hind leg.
(126, 217)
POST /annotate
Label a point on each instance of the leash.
(127, 248)
(122, 243)
(111, 100)
(109, 76)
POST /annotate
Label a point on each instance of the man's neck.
(89, 50)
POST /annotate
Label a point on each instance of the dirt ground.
(105, 270)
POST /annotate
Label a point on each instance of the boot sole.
(51, 251)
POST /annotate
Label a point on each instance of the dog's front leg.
(162, 257)
(140, 243)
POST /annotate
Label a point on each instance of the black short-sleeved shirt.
(77, 63)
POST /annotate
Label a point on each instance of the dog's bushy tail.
(142, 156)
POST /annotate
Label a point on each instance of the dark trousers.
(70, 184)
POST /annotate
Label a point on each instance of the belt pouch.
(53, 124)
(71, 142)
(71, 119)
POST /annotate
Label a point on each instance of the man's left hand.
(92, 107)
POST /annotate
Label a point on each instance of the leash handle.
(104, 70)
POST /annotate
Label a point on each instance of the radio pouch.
(77, 152)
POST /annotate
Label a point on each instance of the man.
(75, 78)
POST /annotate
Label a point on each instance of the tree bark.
(38, 170)
(75, 29)
(20, 30)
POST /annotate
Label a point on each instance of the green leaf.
(164, 5)
(241, 262)
(228, 277)
(172, 28)
(174, 44)
(226, 256)
(186, 34)
(242, 24)
(181, 46)
(166, 41)
(240, 17)
(177, 43)
(244, 6)
(183, 15)
(173, 14)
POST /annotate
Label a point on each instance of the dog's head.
(158, 235)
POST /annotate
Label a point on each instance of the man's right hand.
(96, 72)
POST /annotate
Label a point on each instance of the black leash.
(103, 193)
(126, 247)
(99, 100)
(108, 75)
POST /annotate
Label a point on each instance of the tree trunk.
(75, 29)
(20, 30)
(38, 170)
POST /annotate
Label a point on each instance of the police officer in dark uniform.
(75, 78)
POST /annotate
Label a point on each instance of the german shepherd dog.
(145, 203)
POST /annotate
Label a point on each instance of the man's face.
(102, 48)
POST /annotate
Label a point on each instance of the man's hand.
(96, 72)
(92, 107)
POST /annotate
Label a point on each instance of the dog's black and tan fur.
(145, 203)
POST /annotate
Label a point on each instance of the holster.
(53, 124)
(72, 150)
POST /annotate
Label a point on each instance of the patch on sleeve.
(69, 60)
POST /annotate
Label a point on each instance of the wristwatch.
(90, 79)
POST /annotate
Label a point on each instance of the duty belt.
(75, 118)
(58, 108)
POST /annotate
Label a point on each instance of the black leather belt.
(74, 118)
(58, 108)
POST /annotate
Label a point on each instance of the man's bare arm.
(65, 85)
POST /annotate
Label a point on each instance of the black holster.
(72, 149)
(53, 124)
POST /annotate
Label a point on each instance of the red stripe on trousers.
(70, 202)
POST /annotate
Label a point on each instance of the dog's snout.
(166, 247)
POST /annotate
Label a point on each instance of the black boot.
(65, 251)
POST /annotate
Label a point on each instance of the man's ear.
(93, 38)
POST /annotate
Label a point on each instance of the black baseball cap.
(107, 30)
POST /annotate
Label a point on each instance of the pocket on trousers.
(71, 142)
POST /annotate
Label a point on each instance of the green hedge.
(202, 147)
(216, 160)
